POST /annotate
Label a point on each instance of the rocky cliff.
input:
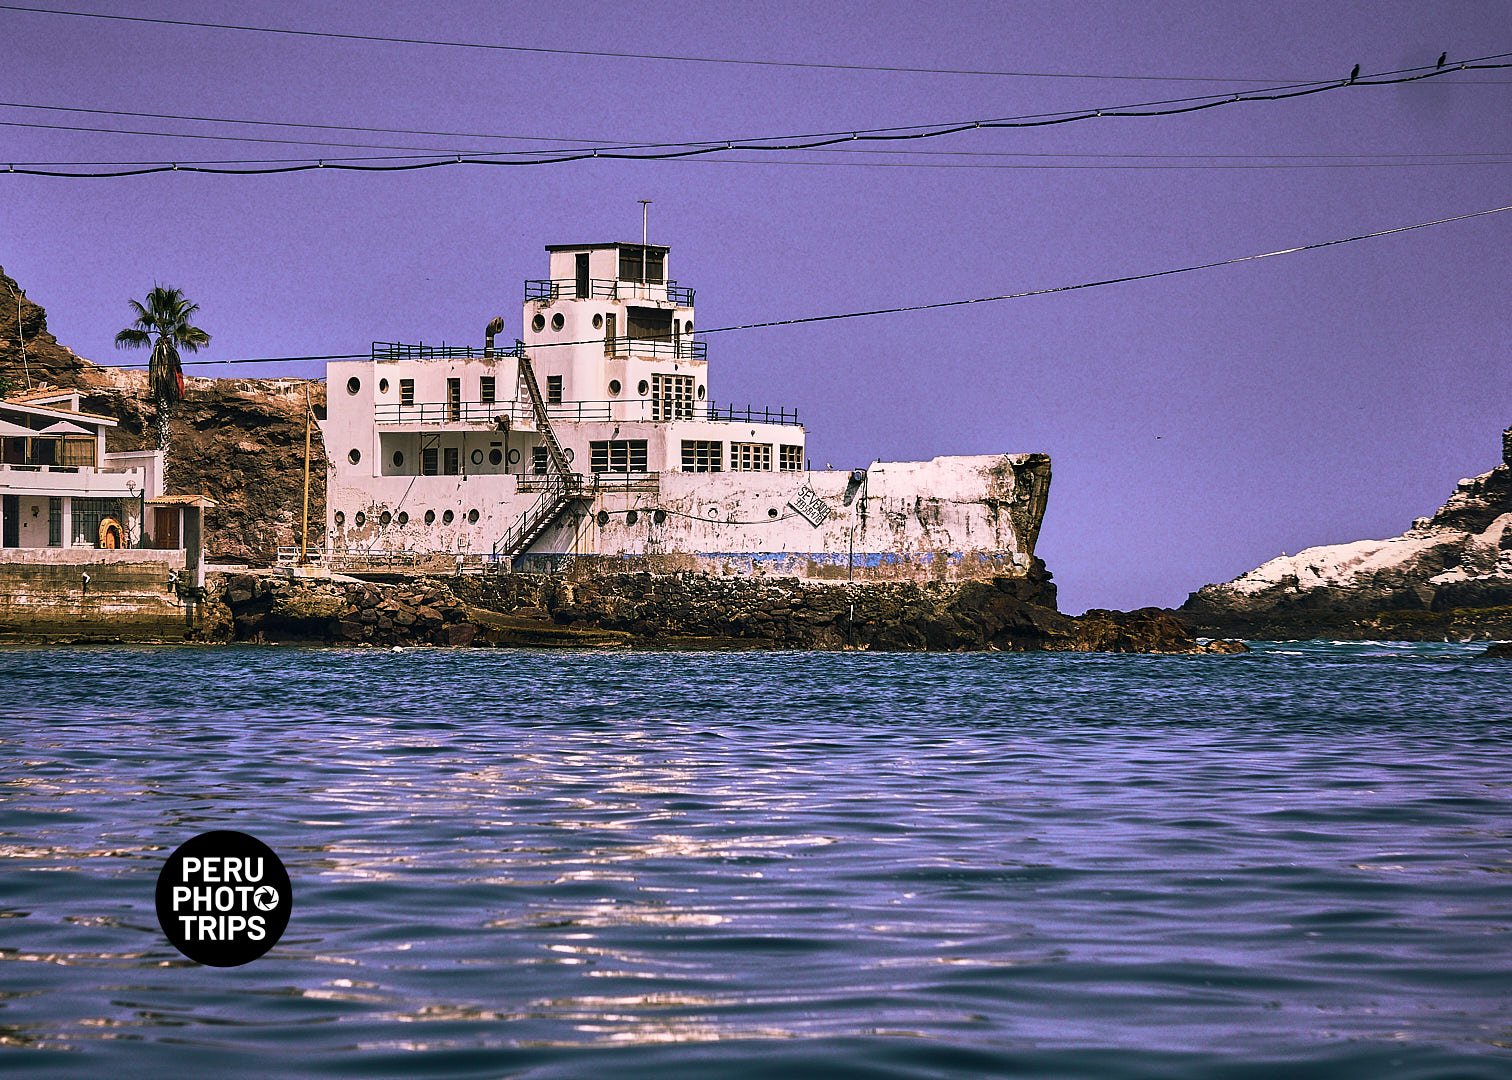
(241, 441)
(1449, 575)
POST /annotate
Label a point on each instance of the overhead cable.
(941, 304)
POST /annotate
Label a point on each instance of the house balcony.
(77, 480)
(608, 289)
(490, 415)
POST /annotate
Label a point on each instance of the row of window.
(386, 518)
(699, 455)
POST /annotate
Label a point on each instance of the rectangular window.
(77, 452)
(55, 521)
(406, 391)
(617, 456)
(750, 457)
(486, 389)
(429, 457)
(642, 264)
(88, 515)
(671, 397)
(451, 460)
(453, 399)
(539, 461)
(699, 455)
(790, 458)
(553, 389)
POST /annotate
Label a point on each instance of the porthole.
(772, 512)
(354, 384)
(354, 455)
(598, 322)
(568, 454)
(385, 519)
(472, 517)
(448, 517)
(495, 456)
(660, 517)
(688, 326)
(398, 459)
(383, 386)
(430, 517)
(631, 517)
(538, 323)
(557, 321)
(614, 387)
(602, 517)
(340, 519)
(641, 387)
(477, 457)
(404, 517)
(514, 457)
(700, 392)
(360, 520)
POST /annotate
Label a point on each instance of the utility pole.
(304, 535)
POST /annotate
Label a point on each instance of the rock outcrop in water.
(692, 611)
(1450, 575)
(241, 441)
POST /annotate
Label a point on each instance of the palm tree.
(162, 323)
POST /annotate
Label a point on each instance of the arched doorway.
(110, 533)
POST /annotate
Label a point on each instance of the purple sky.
(1199, 425)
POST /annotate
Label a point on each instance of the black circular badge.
(223, 898)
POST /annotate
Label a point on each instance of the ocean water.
(561, 864)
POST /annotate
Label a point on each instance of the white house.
(58, 486)
(598, 432)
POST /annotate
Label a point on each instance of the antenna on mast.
(645, 208)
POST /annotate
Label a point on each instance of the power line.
(603, 53)
(604, 143)
(874, 135)
(941, 304)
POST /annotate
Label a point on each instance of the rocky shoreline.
(682, 610)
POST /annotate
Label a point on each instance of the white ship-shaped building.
(597, 435)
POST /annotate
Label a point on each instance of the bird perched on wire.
(1442, 57)
(1355, 74)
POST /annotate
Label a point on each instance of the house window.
(751, 457)
(671, 397)
(77, 452)
(486, 389)
(553, 389)
(406, 391)
(87, 516)
(617, 456)
(55, 521)
(699, 455)
(790, 458)
(642, 264)
(538, 460)
(429, 461)
(451, 461)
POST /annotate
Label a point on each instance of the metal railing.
(606, 289)
(558, 490)
(398, 350)
(443, 412)
(677, 348)
(521, 414)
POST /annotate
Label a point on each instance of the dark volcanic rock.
(1501, 650)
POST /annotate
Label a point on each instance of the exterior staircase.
(562, 489)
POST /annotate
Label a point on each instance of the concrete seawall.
(62, 594)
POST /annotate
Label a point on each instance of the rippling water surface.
(769, 865)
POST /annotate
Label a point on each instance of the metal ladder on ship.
(563, 487)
